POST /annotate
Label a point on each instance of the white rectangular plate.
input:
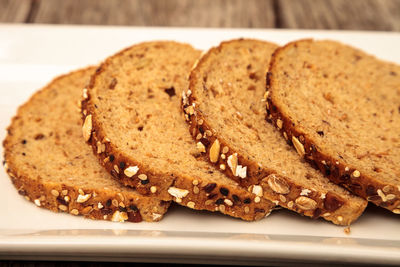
(30, 56)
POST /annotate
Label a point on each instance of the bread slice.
(225, 98)
(133, 120)
(50, 164)
(340, 107)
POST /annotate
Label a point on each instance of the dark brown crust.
(46, 193)
(335, 169)
(197, 194)
(338, 213)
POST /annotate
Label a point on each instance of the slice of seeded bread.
(225, 99)
(341, 110)
(132, 118)
(50, 164)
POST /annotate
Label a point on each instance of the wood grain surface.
(379, 15)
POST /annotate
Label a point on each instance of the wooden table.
(376, 15)
(379, 15)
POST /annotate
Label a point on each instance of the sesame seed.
(121, 197)
(131, 171)
(290, 204)
(208, 202)
(221, 208)
(386, 188)
(115, 203)
(142, 176)
(116, 168)
(55, 193)
(83, 198)
(67, 198)
(153, 189)
(246, 210)
(257, 199)
(74, 212)
(100, 206)
(356, 174)
(222, 167)
(279, 123)
(65, 192)
(37, 202)
(196, 190)
(340, 218)
(63, 207)
(225, 149)
(190, 204)
(228, 202)
(195, 182)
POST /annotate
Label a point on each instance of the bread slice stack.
(133, 111)
(342, 107)
(50, 164)
(226, 91)
(166, 125)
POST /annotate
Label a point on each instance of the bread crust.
(339, 172)
(199, 195)
(60, 197)
(331, 207)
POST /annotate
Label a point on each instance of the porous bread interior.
(229, 90)
(46, 140)
(350, 109)
(142, 114)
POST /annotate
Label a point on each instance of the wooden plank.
(179, 13)
(339, 14)
(14, 10)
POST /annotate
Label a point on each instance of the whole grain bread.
(225, 98)
(50, 164)
(341, 108)
(132, 118)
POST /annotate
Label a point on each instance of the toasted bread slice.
(341, 107)
(132, 118)
(225, 98)
(50, 164)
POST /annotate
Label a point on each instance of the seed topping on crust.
(119, 216)
(142, 177)
(356, 174)
(257, 190)
(74, 212)
(279, 123)
(278, 184)
(191, 204)
(131, 171)
(177, 192)
(299, 146)
(87, 127)
(232, 163)
(55, 193)
(306, 203)
(83, 198)
(214, 151)
(200, 147)
(305, 192)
